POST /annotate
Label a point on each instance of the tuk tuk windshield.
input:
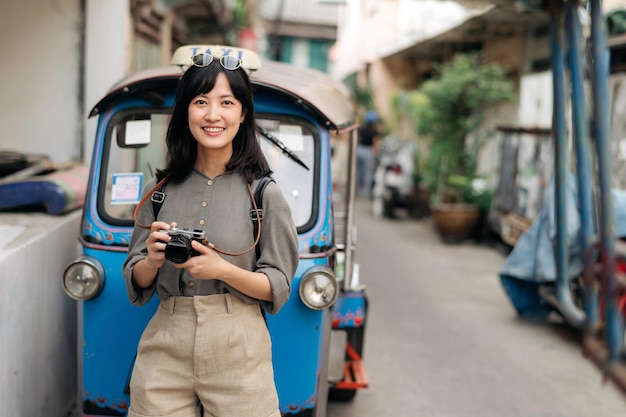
(135, 148)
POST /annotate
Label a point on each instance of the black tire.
(341, 395)
(389, 204)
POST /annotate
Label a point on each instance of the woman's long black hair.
(247, 157)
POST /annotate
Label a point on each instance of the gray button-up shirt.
(221, 207)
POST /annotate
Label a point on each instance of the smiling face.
(215, 117)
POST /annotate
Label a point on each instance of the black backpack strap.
(158, 197)
(258, 198)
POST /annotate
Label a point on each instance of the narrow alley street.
(444, 341)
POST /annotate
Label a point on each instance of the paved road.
(444, 341)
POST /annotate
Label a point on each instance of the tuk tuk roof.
(328, 99)
(324, 95)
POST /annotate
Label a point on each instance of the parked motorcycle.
(394, 185)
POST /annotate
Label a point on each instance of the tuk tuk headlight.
(318, 288)
(83, 279)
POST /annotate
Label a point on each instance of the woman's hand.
(206, 265)
(145, 271)
(155, 244)
(210, 265)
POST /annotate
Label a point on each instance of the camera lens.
(178, 249)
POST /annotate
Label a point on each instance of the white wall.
(40, 50)
(41, 113)
(369, 30)
(40, 46)
(38, 347)
(535, 100)
(108, 52)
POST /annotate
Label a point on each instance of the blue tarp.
(533, 259)
(58, 192)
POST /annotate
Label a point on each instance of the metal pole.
(583, 164)
(350, 225)
(601, 116)
(557, 40)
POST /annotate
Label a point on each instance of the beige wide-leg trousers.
(206, 351)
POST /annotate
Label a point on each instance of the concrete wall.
(535, 100)
(48, 87)
(42, 76)
(107, 56)
(40, 50)
(38, 346)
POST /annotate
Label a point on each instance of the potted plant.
(451, 116)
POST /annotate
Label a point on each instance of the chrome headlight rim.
(98, 277)
(325, 273)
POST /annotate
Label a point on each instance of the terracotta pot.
(455, 222)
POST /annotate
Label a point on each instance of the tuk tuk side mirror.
(134, 133)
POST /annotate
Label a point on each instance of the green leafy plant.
(239, 13)
(404, 108)
(452, 112)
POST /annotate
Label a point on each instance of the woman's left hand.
(210, 265)
(206, 265)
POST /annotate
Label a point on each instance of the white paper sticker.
(126, 188)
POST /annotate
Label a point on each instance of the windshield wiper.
(282, 147)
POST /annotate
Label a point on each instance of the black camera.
(179, 249)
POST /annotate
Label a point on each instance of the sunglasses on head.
(229, 62)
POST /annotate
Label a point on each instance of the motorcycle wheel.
(389, 204)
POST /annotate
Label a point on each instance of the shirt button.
(192, 284)
(201, 222)
(204, 204)
(210, 182)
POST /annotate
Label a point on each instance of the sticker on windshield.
(126, 188)
(291, 136)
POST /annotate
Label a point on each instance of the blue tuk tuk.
(318, 335)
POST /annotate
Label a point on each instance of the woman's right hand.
(145, 271)
(155, 244)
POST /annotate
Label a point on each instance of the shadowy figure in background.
(368, 140)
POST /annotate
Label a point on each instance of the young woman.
(208, 347)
